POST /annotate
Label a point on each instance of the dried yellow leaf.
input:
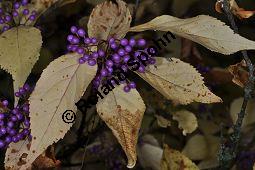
(123, 113)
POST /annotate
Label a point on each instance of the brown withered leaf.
(123, 113)
(178, 81)
(174, 160)
(240, 75)
(235, 9)
(109, 19)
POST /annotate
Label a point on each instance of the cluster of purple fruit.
(118, 54)
(11, 16)
(15, 123)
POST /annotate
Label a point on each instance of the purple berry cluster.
(110, 56)
(12, 16)
(15, 123)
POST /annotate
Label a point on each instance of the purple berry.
(116, 58)
(2, 145)
(26, 123)
(15, 111)
(17, 94)
(2, 116)
(8, 139)
(1, 21)
(141, 42)
(32, 17)
(92, 62)
(132, 42)
(25, 108)
(141, 69)
(34, 13)
(74, 47)
(96, 83)
(25, 11)
(126, 58)
(95, 55)
(81, 32)
(22, 91)
(10, 124)
(15, 14)
(14, 118)
(104, 72)
(16, 5)
(15, 139)
(20, 136)
(80, 50)
(8, 18)
(128, 49)
(126, 89)
(121, 52)
(75, 40)
(110, 70)
(1, 123)
(73, 29)
(109, 63)
(94, 40)
(81, 61)
(124, 42)
(20, 116)
(5, 103)
(25, 132)
(114, 46)
(111, 40)
(5, 28)
(101, 53)
(87, 40)
(86, 57)
(3, 130)
(70, 38)
(24, 2)
(152, 61)
(26, 87)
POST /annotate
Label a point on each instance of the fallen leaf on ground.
(187, 121)
(173, 160)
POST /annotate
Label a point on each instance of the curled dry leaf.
(239, 12)
(109, 19)
(60, 86)
(173, 160)
(20, 49)
(240, 75)
(178, 81)
(123, 113)
(187, 121)
(205, 30)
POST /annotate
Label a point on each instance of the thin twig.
(228, 152)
